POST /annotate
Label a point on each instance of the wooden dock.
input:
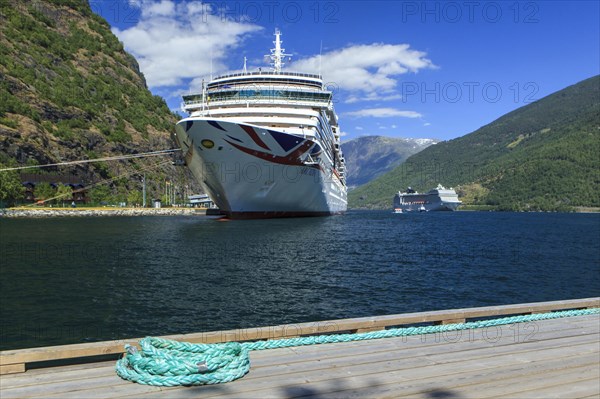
(542, 359)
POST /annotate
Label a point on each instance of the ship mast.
(277, 53)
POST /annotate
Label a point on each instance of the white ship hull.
(438, 199)
(441, 206)
(253, 172)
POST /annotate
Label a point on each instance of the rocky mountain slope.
(69, 91)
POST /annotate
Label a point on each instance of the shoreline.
(98, 212)
(114, 211)
(486, 208)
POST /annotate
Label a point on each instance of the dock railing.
(19, 360)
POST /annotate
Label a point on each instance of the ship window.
(266, 94)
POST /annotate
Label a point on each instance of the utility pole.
(144, 191)
(167, 192)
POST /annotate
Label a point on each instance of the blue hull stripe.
(286, 141)
(233, 138)
(215, 124)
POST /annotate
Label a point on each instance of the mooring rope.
(163, 362)
(104, 159)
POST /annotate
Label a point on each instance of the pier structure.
(547, 358)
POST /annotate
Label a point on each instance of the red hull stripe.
(252, 133)
(290, 159)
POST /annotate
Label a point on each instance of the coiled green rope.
(164, 362)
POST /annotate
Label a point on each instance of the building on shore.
(31, 180)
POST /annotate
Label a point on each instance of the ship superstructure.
(266, 143)
(437, 199)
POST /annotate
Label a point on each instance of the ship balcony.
(193, 105)
(292, 112)
(270, 122)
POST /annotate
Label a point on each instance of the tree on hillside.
(44, 191)
(100, 194)
(134, 198)
(64, 193)
(11, 188)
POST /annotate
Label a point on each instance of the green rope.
(164, 362)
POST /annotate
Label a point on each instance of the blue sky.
(437, 69)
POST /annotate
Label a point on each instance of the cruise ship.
(266, 143)
(437, 199)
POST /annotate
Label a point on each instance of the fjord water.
(68, 280)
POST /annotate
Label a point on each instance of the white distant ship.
(437, 199)
(266, 143)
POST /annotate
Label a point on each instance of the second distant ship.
(266, 143)
(437, 199)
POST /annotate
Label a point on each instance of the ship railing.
(310, 160)
(256, 101)
(267, 73)
(243, 95)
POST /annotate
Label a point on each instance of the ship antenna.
(203, 95)
(277, 53)
(211, 63)
(245, 69)
(320, 57)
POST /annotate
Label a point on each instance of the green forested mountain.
(69, 91)
(543, 156)
(371, 156)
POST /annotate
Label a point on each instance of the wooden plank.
(505, 383)
(367, 329)
(120, 391)
(450, 321)
(367, 365)
(63, 352)
(459, 384)
(321, 359)
(12, 368)
(282, 331)
(62, 373)
(492, 354)
(99, 387)
(387, 384)
(558, 386)
(315, 356)
(551, 329)
(410, 365)
(399, 368)
(63, 387)
(32, 379)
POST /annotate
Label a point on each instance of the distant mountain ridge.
(371, 156)
(543, 156)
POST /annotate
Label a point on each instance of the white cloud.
(358, 128)
(383, 113)
(368, 69)
(374, 96)
(163, 8)
(426, 124)
(176, 41)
